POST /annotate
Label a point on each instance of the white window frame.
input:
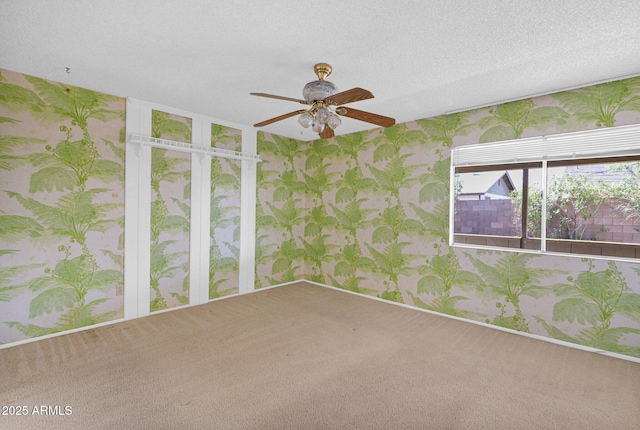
(600, 143)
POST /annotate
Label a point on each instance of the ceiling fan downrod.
(322, 70)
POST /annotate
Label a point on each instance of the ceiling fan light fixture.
(322, 115)
(305, 120)
(325, 103)
(334, 121)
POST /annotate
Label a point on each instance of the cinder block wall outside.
(495, 217)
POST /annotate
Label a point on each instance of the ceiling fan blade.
(271, 96)
(349, 96)
(383, 121)
(327, 133)
(279, 118)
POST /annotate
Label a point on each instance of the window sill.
(564, 247)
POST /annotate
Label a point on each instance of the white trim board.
(137, 294)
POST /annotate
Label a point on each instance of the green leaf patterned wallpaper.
(368, 212)
(62, 207)
(170, 213)
(280, 211)
(224, 251)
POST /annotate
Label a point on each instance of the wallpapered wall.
(368, 212)
(224, 236)
(62, 207)
(170, 212)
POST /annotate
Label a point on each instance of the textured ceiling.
(419, 58)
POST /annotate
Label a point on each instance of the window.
(488, 206)
(571, 193)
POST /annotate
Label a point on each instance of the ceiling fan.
(326, 105)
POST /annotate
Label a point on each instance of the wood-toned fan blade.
(383, 121)
(349, 96)
(271, 96)
(279, 118)
(327, 133)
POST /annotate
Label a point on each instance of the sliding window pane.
(595, 203)
(489, 207)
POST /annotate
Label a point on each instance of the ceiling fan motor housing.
(318, 90)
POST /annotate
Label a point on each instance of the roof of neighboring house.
(480, 183)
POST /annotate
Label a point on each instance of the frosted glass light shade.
(334, 121)
(305, 120)
(322, 115)
(317, 127)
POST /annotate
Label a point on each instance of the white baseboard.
(483, 324)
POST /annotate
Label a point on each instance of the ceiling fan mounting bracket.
(322, 70)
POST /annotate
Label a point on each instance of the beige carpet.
(307, 357)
